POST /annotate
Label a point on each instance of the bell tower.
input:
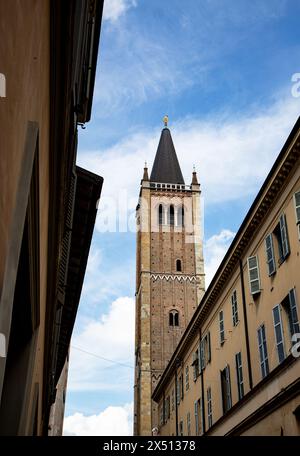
(169, 272)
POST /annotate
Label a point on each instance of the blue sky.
(222, 72)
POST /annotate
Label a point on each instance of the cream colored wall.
(275, 288)
(259, 311)
(24, 50)
(280, 422)
(261, 396)
(224, 354)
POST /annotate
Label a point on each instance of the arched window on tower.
(160, 214)
(180, 216)
(171, 215)
(173, 318)
(178, 266)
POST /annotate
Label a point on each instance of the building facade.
(236, 368)
(170, 276)
(48, 205)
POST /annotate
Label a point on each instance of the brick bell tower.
(169, 272)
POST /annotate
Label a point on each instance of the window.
(222, 330)
(181, 428)
(167, 408)
(180, 216)
(181, 386)
(297, 206)
(161, 415)
(254, 279)
(278, 333)
(235, 316)
(178, 392)
(263, 353)
(209, 407)
(160, 214)
(171, 215)
(174, 318)
(201, 417)
(198, 418)
(297, 209)
(187, 378)
(205, 351)
(188, 423)
(290, 306)
(178, 266)
(226, 389)
(281, 235)
(173, 400)
(239, 374)
(270, 254)
(195, 364)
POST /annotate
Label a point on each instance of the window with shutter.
(226, 389)
(178, 392)
(278, 333)
(173, 400)
(196, 417)
(161, 416)
(187, 378)
(289, 305)
(181, 387)
(188, 423)
(209, 347)
(270, 254)
(234, 306)
(281, 235)
(209, 407)
(202, 361)
(222, 330)
(195, 364)
(254, 278)
(181, 428)
(284, 236)
(297, 206)
(297, 210)
(263, 353)
(167, 413)
(239, 374)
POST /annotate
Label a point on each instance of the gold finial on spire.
(166, 120)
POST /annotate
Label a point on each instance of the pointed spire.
(166, 167)
(194, 179)
(146, 176)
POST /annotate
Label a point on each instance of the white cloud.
(233, 154)
(214, 250)
(113, 421)
(110, 337)
(113, 9)
(163, 51)
(112, 281)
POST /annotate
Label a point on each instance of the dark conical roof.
(166, 166)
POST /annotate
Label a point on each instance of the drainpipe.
(246, 325)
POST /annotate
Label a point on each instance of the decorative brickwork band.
(167, 277)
